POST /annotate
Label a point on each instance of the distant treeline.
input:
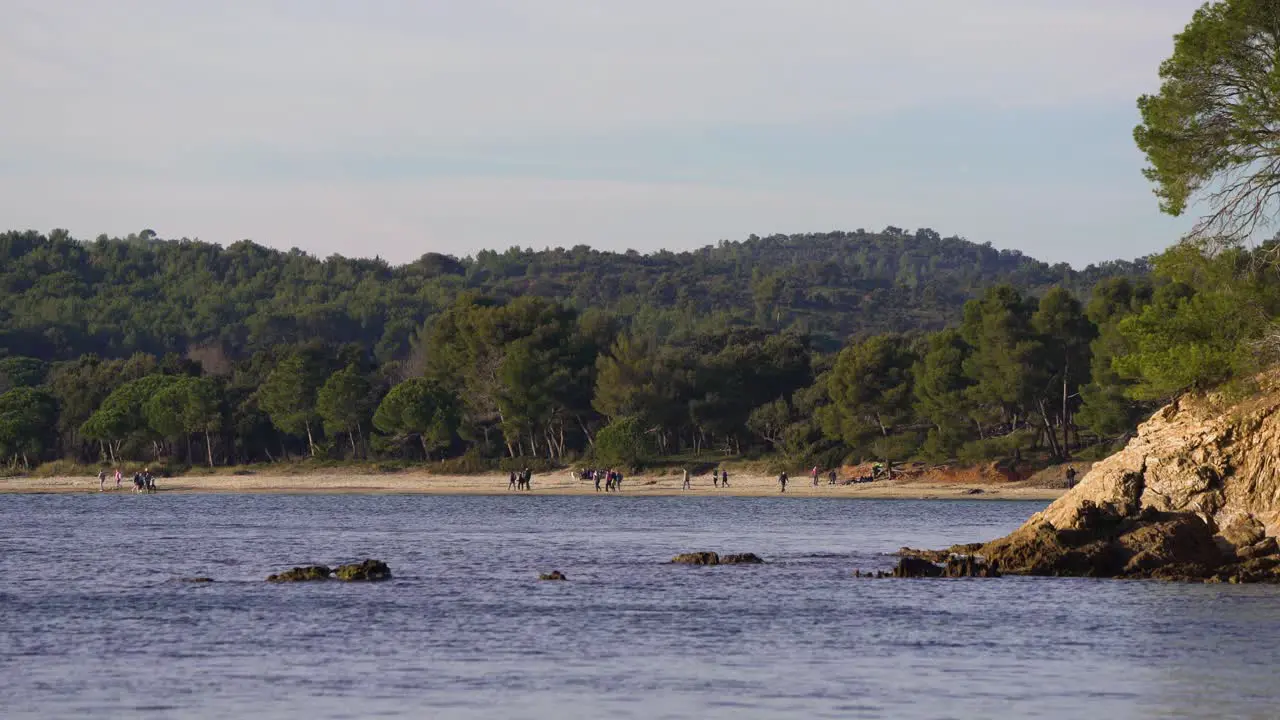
(61, 298)
(494, 377)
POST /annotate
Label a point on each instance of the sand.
(559, 483)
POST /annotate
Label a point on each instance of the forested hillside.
(810, 349)
(60, 297)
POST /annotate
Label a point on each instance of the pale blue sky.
(397, 127)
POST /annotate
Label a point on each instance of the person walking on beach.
(102, 480)
(715, 477)
(814, 473)
(119, 478)
(686, 478)
(617, 480)
(511, 480)
(724, 478)
(831, 477)
(595, 477)
(782, 480)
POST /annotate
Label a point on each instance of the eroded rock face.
(302, 574)
(367, 571)
(741, 559)
(1195, 496)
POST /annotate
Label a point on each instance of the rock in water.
(553, 575)
(1195, 496)
(697, 558)
(196, 579)
(302, 574)
(963, 566)
(913, 567)
(741, 559)
(367, 571)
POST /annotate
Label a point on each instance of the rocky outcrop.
(367, 571)
(553, 575)
(956, 566)
(1194, 496)
(302, 574)
(710, 558)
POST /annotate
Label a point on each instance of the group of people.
(815, 475)
(719, 478)
(143, 481)
(612, 479)
(520, 480)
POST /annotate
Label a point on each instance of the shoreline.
(560, 484)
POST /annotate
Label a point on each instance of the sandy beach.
(559, 483)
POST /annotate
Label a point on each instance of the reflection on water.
(94, 622)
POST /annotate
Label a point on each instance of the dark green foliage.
(28, 425)
(507, 377)
(61, 298)
(422, 408)
(622, 443)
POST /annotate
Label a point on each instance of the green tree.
(289, 396)
(621, 443)
(939, 384)
(419, 407)
(120, 419)
(16, 372)
(1212, 132)
(1004, 365)
(1066, 333)
(28, 424)
(871, 391)
(344, 403)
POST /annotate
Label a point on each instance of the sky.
(400, 127)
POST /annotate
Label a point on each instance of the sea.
(96, 620)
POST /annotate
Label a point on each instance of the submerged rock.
(196, 579)
(710, 558)
(367, 571)
(697, 558)
(553, 575)
(302, 574)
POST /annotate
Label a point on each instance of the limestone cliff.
(1196, 494)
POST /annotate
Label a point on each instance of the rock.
(697, 558)
(367, 571)
(1195, 495)
(553, 575)
(302, 574)
(742, 559)
(962, 566)
(913, 567)
(196, 579)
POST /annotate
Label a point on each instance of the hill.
(61, 297)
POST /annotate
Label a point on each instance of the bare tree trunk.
(311, 443)
(208, 446)
(1049, 431)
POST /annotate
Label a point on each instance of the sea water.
(95, 622)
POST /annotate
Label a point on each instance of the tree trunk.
(355, 454)
(311, 443)
(1049, 431)
(208, 446)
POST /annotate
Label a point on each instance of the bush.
(622, 443)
